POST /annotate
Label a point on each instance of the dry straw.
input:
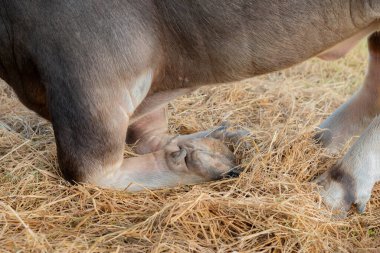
(271, 207)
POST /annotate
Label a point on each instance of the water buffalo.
(103, 71)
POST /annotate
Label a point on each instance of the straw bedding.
(271, 207)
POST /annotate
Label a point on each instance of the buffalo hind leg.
(352, 179)
(356, 114)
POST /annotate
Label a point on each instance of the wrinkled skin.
(102, 72)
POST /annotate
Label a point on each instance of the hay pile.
(271, 207)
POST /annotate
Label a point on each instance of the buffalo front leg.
(355, 115)
(351, 180)
(90, 136)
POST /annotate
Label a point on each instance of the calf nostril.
(179, 155)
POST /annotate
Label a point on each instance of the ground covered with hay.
(271, 207)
